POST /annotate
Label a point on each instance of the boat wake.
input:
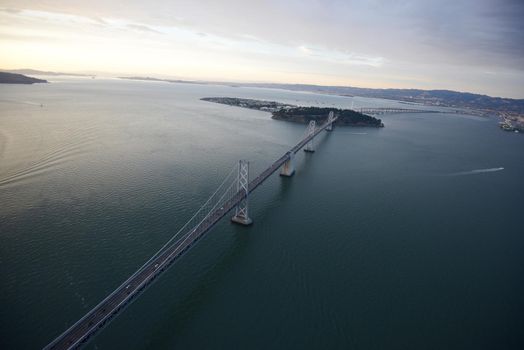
(477, 171)
(51, 160)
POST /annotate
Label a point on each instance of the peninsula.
(297, 114)
(11, 78)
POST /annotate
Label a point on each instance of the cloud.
(142, 28)
(341, 57)
(464, 32)
(10, 10)
(447, 43)
(26, 38)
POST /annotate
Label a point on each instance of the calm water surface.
(406, 237)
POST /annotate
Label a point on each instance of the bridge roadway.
(394, 110)
(108, 308)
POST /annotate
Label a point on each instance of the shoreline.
(299, 114)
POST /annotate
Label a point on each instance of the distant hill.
(446, 98)
(164, 80)
(11, 78)
(41, 72)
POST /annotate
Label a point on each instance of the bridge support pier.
(242, 210)
(288, 169)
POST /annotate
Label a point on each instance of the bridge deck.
(388, 110)
(108, 308)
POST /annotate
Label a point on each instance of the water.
(405, 237)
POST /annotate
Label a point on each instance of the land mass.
(319, 114)
(476, 104)
(41, 72)
(296, 114)
(268, 106)
(164, 80)
(11, 78)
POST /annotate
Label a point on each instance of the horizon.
(167, 79)
(391, 46)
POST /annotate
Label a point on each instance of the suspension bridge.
(233, 193)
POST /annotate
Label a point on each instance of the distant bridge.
(376, 111)
(233, 193)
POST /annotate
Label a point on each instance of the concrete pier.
(242, 220)
(288, 169)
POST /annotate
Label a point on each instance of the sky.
(464, 45)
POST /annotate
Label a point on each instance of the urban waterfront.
(407, 236)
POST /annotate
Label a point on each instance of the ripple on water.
(50, 161)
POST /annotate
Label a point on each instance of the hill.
(12, 78)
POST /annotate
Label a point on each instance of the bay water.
(404, 237)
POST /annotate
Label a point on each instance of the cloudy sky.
(466, 45)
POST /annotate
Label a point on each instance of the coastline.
(299, 114)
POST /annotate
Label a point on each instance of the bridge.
(233, 193)
(387, 110)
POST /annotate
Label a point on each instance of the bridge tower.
(242, 209)
(310, 147)
(331, 116)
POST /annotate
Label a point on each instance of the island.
(12, 78)
(347, 117)
(297, 114)
(509, 110)
(268, 106)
